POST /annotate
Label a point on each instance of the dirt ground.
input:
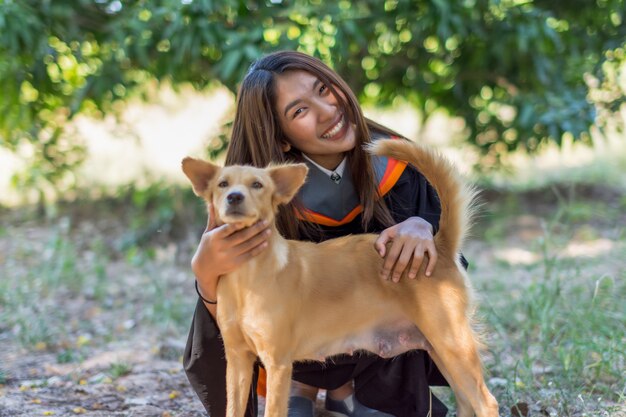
(154, 383)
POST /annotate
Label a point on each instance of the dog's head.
(244, 194)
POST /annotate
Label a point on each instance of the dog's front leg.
(278, 384)
(239, 367)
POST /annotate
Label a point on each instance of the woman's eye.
(223, 184)
(297, 112)
(323, 89)
(257, 185)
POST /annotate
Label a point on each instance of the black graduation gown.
(399, 386)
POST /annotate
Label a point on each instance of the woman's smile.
(336, 129)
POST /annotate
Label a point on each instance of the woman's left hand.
(413, 237)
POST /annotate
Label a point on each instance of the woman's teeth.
(334, 130)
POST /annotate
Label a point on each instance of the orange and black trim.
(392, 173)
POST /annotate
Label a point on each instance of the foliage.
(517, 71)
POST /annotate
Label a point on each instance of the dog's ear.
(199, 173)
(288, 179)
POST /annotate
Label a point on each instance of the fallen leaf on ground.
(519, 410)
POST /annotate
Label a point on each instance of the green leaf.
(226, 67)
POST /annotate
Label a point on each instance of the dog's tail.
(456, 198)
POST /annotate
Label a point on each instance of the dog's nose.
(234, 198)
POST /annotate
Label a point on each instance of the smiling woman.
(293, 108)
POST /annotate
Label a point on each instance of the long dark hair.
(257, 136)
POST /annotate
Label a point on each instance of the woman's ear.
(285, 146)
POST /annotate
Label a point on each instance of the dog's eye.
(223, 184)
(257, 185)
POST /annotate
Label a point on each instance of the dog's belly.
(387, 340)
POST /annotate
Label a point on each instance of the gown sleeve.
(412, 196)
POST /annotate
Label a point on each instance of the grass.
(48, 303)
(558, 325)
(119, 369)
(71, 277)
(565, 339)
(24, 297)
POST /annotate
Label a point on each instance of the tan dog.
(305, 301)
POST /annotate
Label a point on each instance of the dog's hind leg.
(278, 384)
(457, 353)
(444, 322)
(239, 370)
(463, 406)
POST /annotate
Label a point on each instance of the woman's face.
(312, 118)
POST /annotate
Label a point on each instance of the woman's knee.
(299, 389)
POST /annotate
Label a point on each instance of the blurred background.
(101, 99)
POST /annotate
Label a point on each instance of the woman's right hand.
(223, 249)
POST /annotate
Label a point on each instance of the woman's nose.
(327, 108)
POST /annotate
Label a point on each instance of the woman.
(292, 107)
